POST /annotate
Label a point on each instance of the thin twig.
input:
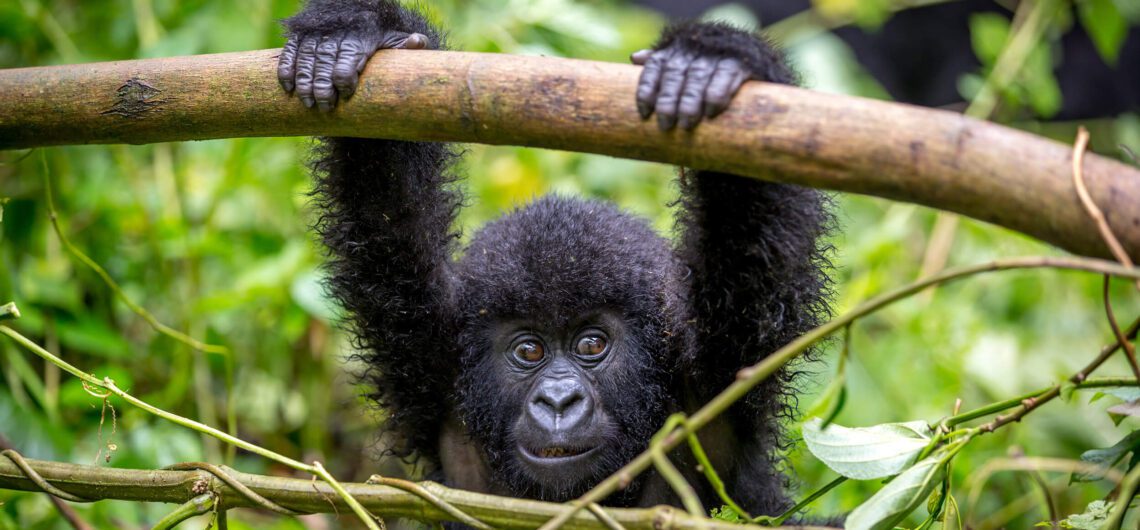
(114, 286)
(1001, 406)
(1094, 211)
(669, 472)
(435, 500)
(749, 377)
(1129, 349)
(1028, 405)
(221, 474)
(604, 517)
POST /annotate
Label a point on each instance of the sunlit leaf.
(898, 498)
(988, 33)
(867, 452)
(1094, 517)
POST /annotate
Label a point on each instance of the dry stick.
(1094, 211)
(935, 158)
(749, 377)
(108, 384)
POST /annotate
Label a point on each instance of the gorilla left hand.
(696, 68)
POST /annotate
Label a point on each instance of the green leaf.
(1106, 458)
(726, 513)
(988, 33)
(1105, 26)
(1096, 513)
(1038, 85)
(897, 499)
(867, 452)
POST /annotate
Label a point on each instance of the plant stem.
(191, 508)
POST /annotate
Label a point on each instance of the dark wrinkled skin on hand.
(683, 86)
(321, 69)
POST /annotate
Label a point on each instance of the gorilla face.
(559, 407)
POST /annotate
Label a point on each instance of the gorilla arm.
(757, 266)
(386, 217)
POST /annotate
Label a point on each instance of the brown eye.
(591, 345)
(529, 351)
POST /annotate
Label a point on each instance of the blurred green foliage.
(212, 238)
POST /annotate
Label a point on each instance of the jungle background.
(213, 238)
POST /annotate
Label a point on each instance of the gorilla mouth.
(556, 452)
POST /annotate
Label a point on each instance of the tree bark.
(930, 157)
(306, 495)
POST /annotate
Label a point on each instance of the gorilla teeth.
(558, 452)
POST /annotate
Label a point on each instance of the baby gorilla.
(546, 356)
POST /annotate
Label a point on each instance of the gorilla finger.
(729, 75)
(306, 64)
(691, 105)
(669, 94)
(639, 57)
(649, 81)
(323, 90)
(287, 64)
(349, 62)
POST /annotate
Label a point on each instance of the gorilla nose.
(560, 404)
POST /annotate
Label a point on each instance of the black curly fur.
(747, 276)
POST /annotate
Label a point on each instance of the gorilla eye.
(592, 345)
(529, 351)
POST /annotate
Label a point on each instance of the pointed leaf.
(1106, 458)
(1127, 393)
(867, 452)
(897, 499)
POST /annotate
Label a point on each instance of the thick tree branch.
(936, 158)
(100, 483)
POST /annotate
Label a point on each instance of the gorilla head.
(570, 312)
